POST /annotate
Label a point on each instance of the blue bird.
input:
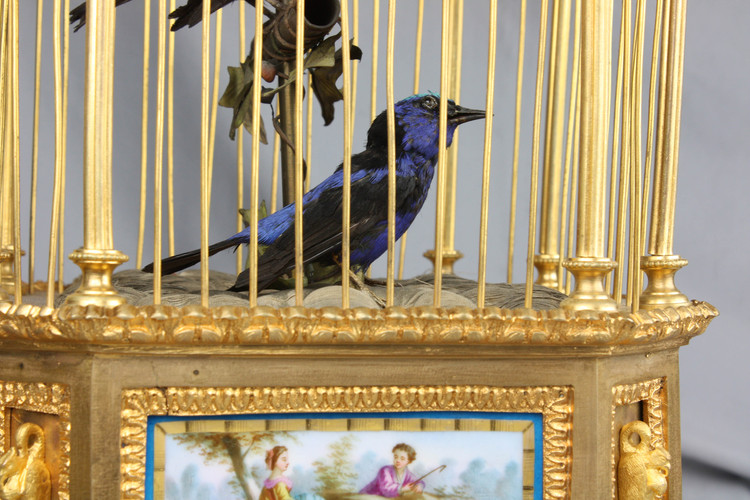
(416, 156)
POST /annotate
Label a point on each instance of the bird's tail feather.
(184, 260)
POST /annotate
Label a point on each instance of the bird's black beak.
(458, 115)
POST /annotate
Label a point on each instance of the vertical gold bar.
(516, 140)
(485, 201)
(442, 141)
(595, 79)
(651, 113)
(665, 173)
(308, 131)
(239, 140)
(66, 82)
(144, 130)
(624, 191)
(355, 63)
(575, 99)
(661, 265)
(548, 259)
(275, 171)
(614, 223)
(391, 116)
(636, 138)
(6, 193)
(108, 79)
(214, 102)
(347, 164)
(574, 181)
(159, 144)
(35, 145)
(6, 179)
(57, 184)
(16, 165)
(415, 90)
(450, 254)
(418, 45)
(634, 287)
(252, 247)
(623, 85)
(170, 134)
(288, 114)
(544, 261)
(455, 35)
(590, 265)
(97, 258)
(205, 186)
(298, 227)
(535, 154)
(374, 65)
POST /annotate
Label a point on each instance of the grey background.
(712, 207)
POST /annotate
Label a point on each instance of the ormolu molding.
(201, 326)
(555, 403)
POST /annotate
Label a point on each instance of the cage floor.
(184, 289)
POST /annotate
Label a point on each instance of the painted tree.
(231, 448)
(510, 487)
(479, 481)
(189, 486)
(336, 474)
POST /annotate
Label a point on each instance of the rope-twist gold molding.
(197, 325)
(52, 399)
(555, 403)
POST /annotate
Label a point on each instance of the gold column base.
(661, 290)
(96, 278)
(589, 292)
(546, 268)
(449, 258)
(6, 274)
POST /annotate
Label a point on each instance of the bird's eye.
(429, 102)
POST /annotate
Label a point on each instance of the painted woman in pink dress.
(394, 480)
(277, 486)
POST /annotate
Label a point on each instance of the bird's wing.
(78, 14)
(191, 13)
(322, 228)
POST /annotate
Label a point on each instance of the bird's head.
(417, 124)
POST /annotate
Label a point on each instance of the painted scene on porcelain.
(345, 465)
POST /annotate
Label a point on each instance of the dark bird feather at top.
(189, 14)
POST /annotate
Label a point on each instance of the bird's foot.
(360, 285)
(375, 281)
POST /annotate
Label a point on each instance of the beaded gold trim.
(52, 399)
(554, 403)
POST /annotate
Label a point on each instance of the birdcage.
(569, 375)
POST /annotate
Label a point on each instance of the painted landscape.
(465, 465)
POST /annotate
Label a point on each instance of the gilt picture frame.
(467, 440)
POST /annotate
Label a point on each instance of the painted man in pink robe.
(394, 480)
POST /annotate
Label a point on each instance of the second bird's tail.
(184, 260)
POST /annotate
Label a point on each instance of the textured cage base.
(184, 289)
